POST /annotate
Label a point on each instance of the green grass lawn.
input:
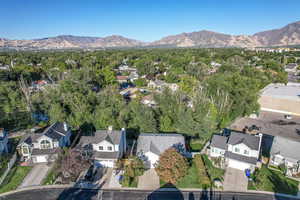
(214, 172)
(191, 180)
(196, 144)
(274, 181)
(14, 178)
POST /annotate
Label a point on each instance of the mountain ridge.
(287, 35)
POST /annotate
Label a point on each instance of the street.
(84, 194)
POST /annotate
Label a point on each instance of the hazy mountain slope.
(288, 35)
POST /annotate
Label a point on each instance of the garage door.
(104, 163)
(40, 159)
(238, 165)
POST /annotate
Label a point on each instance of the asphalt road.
(83, 194)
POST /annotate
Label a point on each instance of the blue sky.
(145, 20)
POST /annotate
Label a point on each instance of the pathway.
(35, 176)
(149, 180)
(235, 180)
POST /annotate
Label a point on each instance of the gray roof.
(219, 141)
(56, 131)
(113, 137)
(158, 143)
(105, 155)
(282, 91)
(241, 158)
(291, 65)
(286, 148)
(251, 141)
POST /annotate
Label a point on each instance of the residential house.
(106, 146)
(151, 146)
(38, 85)
(129, 92)
(3, 141)
(148, 100)
(126, 68)
(4, 67)
(133, 76)
(44, 147)
(292, 68)
(122, 79)
(285, 152)
(160, 85)
(238, 150)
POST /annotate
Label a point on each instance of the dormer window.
(45, 144)
(109, 148)
(246, 152)
(100, 148)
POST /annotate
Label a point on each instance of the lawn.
(214, 172)
(191, 180)
(197, 144)
(14, 178)
(274, 181)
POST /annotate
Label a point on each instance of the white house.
(150, 146)
(41, 148)
(285, 151)
(3, 141)
(239, 150)
(106, 146)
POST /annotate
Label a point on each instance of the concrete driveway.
(149, 180)
(35, 176)
(235, 180)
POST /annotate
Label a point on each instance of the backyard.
(271, 180)
(14, 178)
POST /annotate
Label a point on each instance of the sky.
(145, 20)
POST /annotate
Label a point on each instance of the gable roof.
(56, 131)
(241, 138)
(112, 136)
(158, 143)
(286, 148)
(219, 141)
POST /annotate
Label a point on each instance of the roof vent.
(65, 126)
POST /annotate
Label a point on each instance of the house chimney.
(110, 128)
(2, 134)
(65, 126)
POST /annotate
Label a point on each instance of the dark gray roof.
(241, 158)
(158, 143)
(113, 137)
(44, 151)
(251, 141)
(105, 155)
(219, 141)
(56, 131)
(286, 148)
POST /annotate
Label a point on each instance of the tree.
(171, 166)
(73, 163)
(133, 167)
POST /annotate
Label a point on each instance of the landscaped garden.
(274, 181)
(14, 178)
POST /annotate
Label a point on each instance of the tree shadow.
(172, 193)
(78, 194)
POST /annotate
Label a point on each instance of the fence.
(9, 166)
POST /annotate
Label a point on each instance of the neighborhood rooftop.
(219, 141)
(112, 136)
(158, 143)
(289, 91)
(250, 140)
(286, 147)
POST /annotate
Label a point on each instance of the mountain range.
(287, 35)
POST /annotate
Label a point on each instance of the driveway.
(235, 180)
(35, 176)
(149, 180)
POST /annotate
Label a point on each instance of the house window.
(109, 148)
(246, 152)
(25, 150)
(237, 150)
(101, 148)
(45, 144)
